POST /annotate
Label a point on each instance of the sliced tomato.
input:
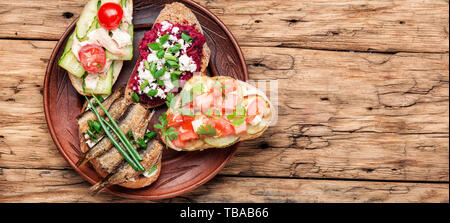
(256, 107)
(92, 57)
(230, 102)
(224, 127)
(175, 120)
(204, 102)
(187, 132)
(109, 15)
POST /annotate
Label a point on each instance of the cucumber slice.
(69, 62)
(86, 19)
(69, 44)
(104, 84)
(129, 49)
(221, 142)
(255, 129)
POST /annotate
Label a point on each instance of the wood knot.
(67, 15)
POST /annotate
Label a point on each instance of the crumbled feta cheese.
(165, 25)
(175, 30)
(187, 64)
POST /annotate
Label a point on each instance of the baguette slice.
(248, 93)
(177, 13)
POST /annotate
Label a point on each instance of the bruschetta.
(171, 53)
(214, 112)
(102, 40)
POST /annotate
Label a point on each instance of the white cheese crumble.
(165, 25)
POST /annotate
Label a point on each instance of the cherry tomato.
(223, 127)
(187, 134)
(109, 15)
(92, 57)
(256, 107)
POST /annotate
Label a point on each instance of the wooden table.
(363, 103)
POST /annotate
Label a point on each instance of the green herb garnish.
(208, 130)
(148, 136)
(164, 39)
(135, 97)
(160, 54)
(152, 92)
(155, 46)
(186, 37)
(173, 64)
(143, 85)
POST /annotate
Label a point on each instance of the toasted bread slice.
(248, 93)
(178, 13)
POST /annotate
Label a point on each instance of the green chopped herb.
(97, 127)
(173, 64)
(160, 54)
(152, 92)
(141, 143)
(177, 72)
(155, 46)
(169, 100)
(169, 56)
(160, 82)
(135, 97)
(100, 98)
(164, 39)
(148, 136)
(175, 48)
(130, 135)
(146, 64)
(153, 67)
(159, 73)
(186, 37)
(186, 112)
(208, 130)
(91, 134)
(143, 85)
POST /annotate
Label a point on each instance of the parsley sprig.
(171, 132)
(238, 116)
(206, 130)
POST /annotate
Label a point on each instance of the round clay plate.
(181, 171)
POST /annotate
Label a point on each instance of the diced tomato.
(204, 102)
(187, 132)
(256, 107)
(222, 126)
(230, 102)
(175, 120)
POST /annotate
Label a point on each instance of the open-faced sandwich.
(115, 140)
(170, 54)
(102, 40)
(214, 112)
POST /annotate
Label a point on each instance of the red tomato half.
(223, 127)
(92, 57)
(178, 142)
(109, 15)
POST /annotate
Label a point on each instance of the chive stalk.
(122, 136)
(115, 143)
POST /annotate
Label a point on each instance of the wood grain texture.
(326, 131)
(31, 185)
(386, 26)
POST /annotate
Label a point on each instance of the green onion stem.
(115, 132)
(115, 143)
(122, 136)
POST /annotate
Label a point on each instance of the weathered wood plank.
(32, 185)
(335, 121)
(387, 26)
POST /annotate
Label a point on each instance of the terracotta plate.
(181, 171)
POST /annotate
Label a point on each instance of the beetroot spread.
(189, 58)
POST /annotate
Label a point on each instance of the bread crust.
(139, 182)
(177, 13)
(257, 93)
